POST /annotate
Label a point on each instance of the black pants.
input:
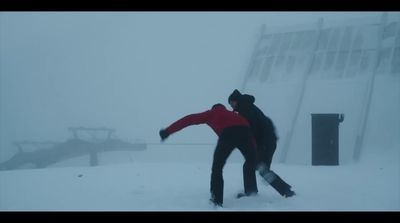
(265, 153)
(233, 137)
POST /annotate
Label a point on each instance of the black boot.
(282, 187)
(277, 183)
(214, 202)
(241, 194)
(290, 193)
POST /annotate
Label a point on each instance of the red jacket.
(217, 118)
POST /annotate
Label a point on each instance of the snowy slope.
(181, 183)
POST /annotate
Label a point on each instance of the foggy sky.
(133, 71)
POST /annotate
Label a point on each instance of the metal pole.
(396, 33)
(370, 88)
(250, 68)
(303, 84)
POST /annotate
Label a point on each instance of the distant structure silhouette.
(47, 153)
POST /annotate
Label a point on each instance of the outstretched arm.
(193, 119)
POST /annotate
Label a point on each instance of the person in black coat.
(264, 133)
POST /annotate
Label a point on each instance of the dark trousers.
(265, 153)
(233, 137)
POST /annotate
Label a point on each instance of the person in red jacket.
(233, 132)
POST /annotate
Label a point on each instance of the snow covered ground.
(138, 72)
(180, 182)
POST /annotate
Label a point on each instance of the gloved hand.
(163, 134)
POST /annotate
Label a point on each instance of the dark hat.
(218, 105)
(234, 96)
